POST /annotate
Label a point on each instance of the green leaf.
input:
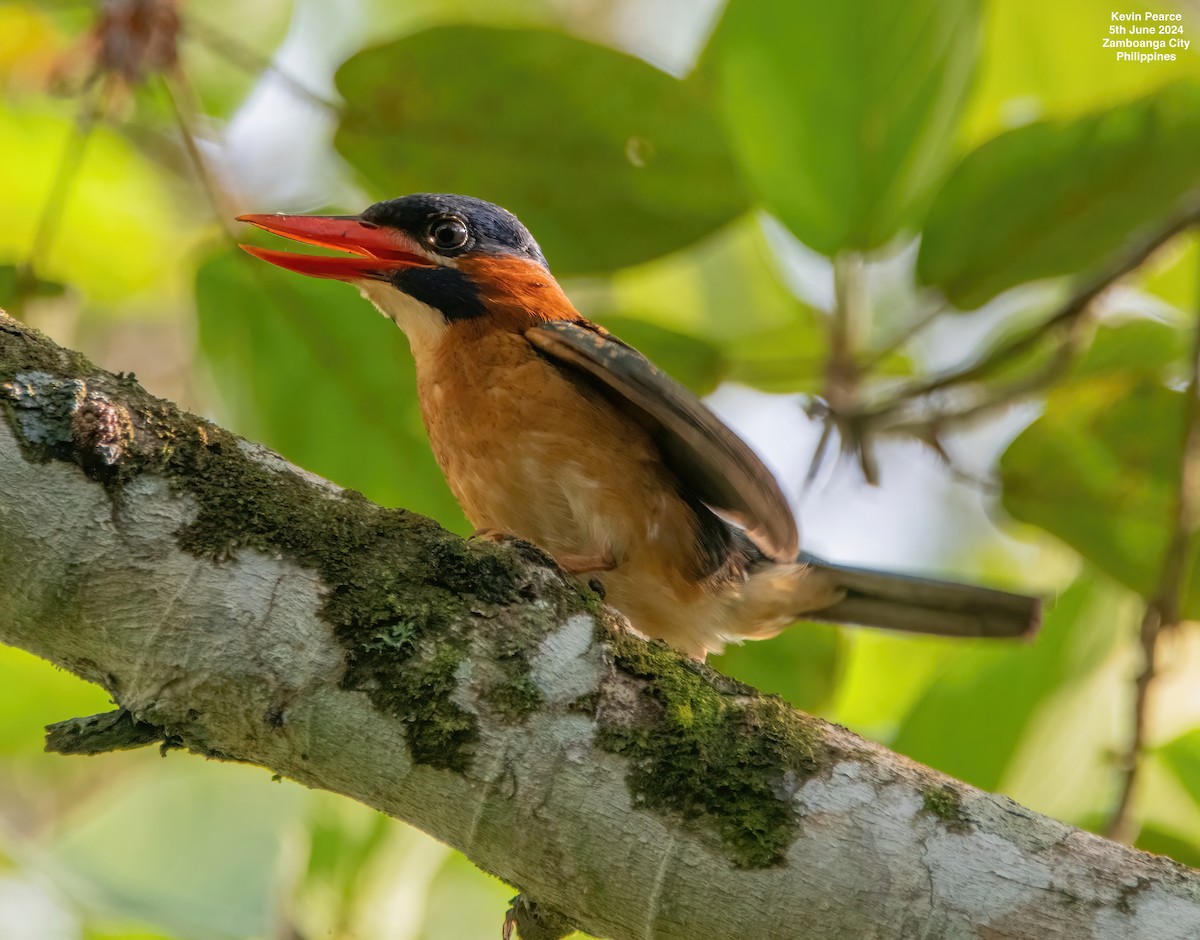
(344, 842)
(18, 282)
(462, 901)
(34, 693)
(784, 359)
(120, 230)
(1151, 838)
(607, 160)
(843, 114)
(1028, 73)
(1099, 471)
(1173, 274)
(1171, 844)
(1182, 756)
(1065, 197)
(971, 720)
(311, 370)
(722, 289)
(1139, 348)
(792, 358)
(803, 665)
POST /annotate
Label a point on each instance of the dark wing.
(712, 462)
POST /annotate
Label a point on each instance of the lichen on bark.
(945, 803)
(400, 590)
(711, 751)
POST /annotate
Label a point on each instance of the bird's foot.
(584, 564)
(571, 564)
(529, 920)
(491, 535)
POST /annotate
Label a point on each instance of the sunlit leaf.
(792, 358)
(722, 289)
(25, 680)
(1137, 348)
(1099, 470)
(1161, 841)
(1151, 838)
(19, 281)
(971, 720)
(843, 114)
(107, 933)
(1030, 72)
(345, 841)
(784, 360)
(1182, 757)
(119, 233)
(1057, 198)
(1174, 273)
(31, 44)
(310, 369)
(607, 160)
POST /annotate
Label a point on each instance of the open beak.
(379, 251)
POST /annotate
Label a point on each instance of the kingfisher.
(550, 429)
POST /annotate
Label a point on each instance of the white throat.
(421, 323)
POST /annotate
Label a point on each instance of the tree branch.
(1164, 611)
(1082, 295)
(239, 607)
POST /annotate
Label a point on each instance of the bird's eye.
(448, 233)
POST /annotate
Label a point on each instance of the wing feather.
(711, 462)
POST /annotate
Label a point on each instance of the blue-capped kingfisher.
(550, 429)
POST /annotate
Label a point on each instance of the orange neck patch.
(517, 290)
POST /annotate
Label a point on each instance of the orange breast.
(531, 452)
(526, 451)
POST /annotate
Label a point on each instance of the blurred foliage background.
(936, 259)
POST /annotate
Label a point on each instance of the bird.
(550, 429)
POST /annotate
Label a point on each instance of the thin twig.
(906, 333)
(998, 398)
(1074, 306)
(851, 320)
(179, 95)
(818, 457)
(241, 55)
(850, 315)
(1164, 611)
(60, 190)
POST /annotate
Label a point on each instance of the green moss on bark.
(405, 598)
(408, 601)
(945, 803)
(715, 756)
(24, 349)
(515, 696)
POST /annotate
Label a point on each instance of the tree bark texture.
(239, 607)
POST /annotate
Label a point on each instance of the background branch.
(1078, 301)
(1164, 612)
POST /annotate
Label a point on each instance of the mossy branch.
(241, 608)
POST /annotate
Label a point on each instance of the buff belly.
(529, 452)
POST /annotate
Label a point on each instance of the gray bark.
(236, 606)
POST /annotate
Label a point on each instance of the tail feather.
(922, 605)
